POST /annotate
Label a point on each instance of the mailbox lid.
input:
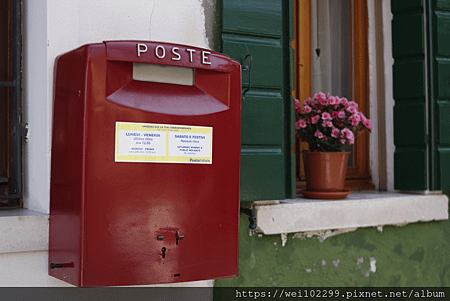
(168, 54)
(209, 93)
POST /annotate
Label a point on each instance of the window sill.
(359, 209)
(23, 230)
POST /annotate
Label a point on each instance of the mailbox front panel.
(145, 175)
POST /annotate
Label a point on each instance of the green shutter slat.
(267, 55)
(443, 78)
(444, 161)
(408, 35)
(410, 166)
(443, 108)
(443, 4)
(252, 17)
(409, 120)
(262, 174)
(398, 6)
(262, 118)
(443, 34)
(409, 79)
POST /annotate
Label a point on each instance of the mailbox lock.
(179, 236)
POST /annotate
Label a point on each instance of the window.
(11, 131)
(332, 56)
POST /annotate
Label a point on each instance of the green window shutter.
(261, 28)
(440, 35)
(410, 111)
(421, 51)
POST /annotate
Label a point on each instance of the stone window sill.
(23, 230)
(359, 209)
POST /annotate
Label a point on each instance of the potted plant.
(328, 123)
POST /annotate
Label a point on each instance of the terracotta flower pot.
(325, 172)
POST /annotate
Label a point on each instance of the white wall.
(27, 269)
(381, 94)
(36, 106)
(389, 92)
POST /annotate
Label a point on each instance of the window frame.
(13, 199)
(358, 177)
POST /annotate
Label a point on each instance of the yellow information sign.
(164, 143)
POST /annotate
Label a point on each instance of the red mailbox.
(145, 164)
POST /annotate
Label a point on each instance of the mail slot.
(145, 164)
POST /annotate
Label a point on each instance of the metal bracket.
(24, 131)
(249, 69)
(61, 265)
(252, 217)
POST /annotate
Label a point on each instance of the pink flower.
(368, 124)
(315, 119)
(298, 107)
(320, 96)
(352, 109)
(363, 118)
(354, 104)
(343, 101)
(302, 123)
(318, 134)
(335, 114)
(350, 135)
(335, 133)
(329, 117)
(333, 100)
(346, 133)
(351, 140)
(308, 101)
(326, 116)
(324, 102)
(327, 123)
(355, 119)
